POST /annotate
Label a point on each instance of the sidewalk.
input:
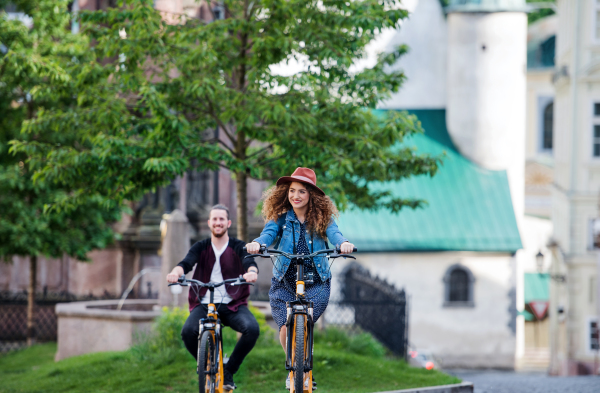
(463, 387)
(493, 381)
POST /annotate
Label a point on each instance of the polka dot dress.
(285, 290)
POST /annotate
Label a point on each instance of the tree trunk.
(242, 206)
(31, 300)
(240, 181)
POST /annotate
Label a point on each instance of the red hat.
(304, 175)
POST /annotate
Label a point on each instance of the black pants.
(241, 321)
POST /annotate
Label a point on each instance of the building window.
(545, 124)
(548, 126)
(458, 282)
(459, 286)
(594, 234)
(596, 130)
(594, 335)
(219, 12)
(596, 140)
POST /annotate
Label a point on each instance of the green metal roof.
(486, 5)
(469, 208)
(537, 287)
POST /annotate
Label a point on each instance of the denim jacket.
(286, 244)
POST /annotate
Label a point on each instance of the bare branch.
(224, 127)
(227, 147)
(260, 151)
(215, 163)
(270, 160)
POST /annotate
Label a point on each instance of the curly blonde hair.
(318, 216)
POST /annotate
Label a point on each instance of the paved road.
(511, 382)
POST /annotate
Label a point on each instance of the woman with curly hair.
(301, 216)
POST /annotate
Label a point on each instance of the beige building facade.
(576, 187)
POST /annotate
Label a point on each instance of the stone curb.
(463, 387)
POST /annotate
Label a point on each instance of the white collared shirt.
(221, 295)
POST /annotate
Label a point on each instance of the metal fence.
(364, 304)
(13, 316)
(379, 308)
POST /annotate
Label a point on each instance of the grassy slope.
(33, 370)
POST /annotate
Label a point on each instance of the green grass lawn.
(160, 363)
(34, 370)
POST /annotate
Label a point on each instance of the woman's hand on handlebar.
(346, 248)
(253, 248)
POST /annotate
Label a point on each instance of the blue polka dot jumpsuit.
(285, 290)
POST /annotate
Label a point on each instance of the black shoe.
(228, 381)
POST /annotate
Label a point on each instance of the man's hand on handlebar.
(253, 248)
(251, 276)
(346, 248)
(175, 274)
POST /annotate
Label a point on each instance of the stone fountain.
(115, 325)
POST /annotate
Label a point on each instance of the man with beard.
(220, 258)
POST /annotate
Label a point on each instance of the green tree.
(34, 77)
(540, 13)
(148, 106)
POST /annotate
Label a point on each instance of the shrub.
(268, 335)
(167, 328)
(164, 340)
(361, 344)
(163, 343)
(366, 344)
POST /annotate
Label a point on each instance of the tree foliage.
(35, 66)
(541, 13)
(159, 84)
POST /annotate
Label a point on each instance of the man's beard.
(215, 234)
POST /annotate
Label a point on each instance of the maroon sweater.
(232, 265)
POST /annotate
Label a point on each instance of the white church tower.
(486, 81)
(466, 81)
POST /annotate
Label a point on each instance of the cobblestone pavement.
(511, 382)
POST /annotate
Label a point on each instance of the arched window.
(459, 286)
(548, 126)
(458, 282)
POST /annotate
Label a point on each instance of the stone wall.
(66, 274)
